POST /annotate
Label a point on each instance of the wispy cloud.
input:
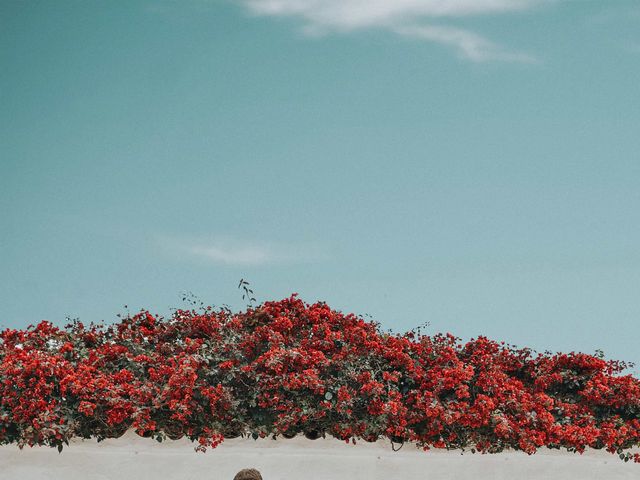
(409, 18)
(468, 45)
(233, 252)
(249, 255)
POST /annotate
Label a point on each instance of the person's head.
(248, 474)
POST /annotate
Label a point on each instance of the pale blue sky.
(471, 164)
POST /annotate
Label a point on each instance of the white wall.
(132, 457)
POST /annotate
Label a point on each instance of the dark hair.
(248, 474)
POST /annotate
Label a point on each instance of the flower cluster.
(288, 367)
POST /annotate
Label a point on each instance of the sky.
(471, 164)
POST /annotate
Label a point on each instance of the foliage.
(287, 367)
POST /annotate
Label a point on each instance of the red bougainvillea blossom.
(287, 367)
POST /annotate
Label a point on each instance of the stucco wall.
(132, 457)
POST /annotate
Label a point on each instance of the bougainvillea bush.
(287, 367)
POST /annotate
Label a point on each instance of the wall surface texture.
(132, 457)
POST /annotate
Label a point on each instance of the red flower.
(286, 367)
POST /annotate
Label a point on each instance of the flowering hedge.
(288, 367)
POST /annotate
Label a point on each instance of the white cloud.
(250, 255)
(371, 13)
(411, 18)
(225, 251)
(468, 44)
